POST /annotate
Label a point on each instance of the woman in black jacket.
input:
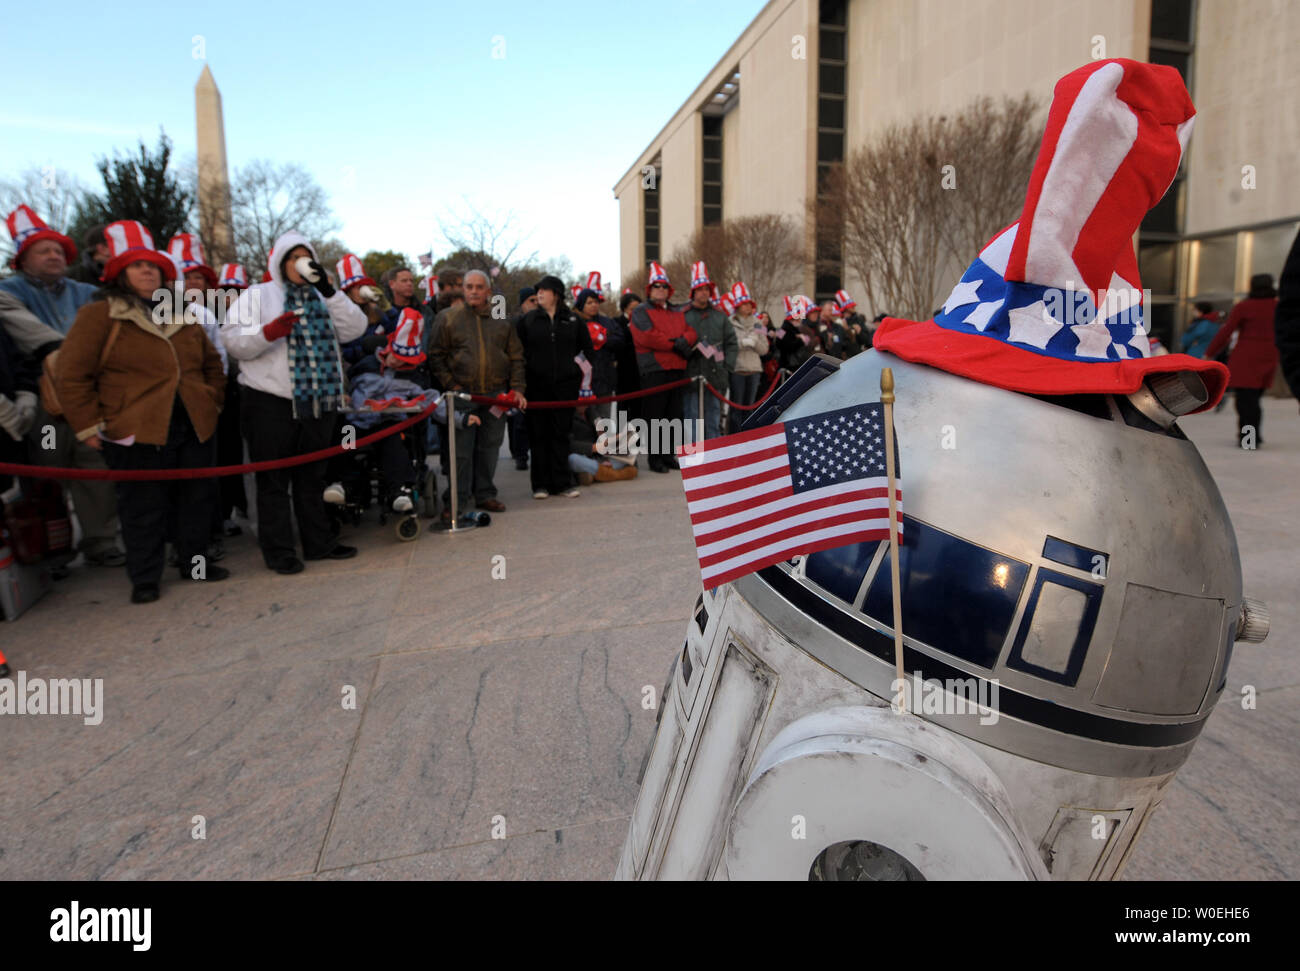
(553, 338)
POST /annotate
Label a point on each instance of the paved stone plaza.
(520, 698)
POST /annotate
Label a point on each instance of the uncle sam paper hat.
(1053, 303)
(233, 275)
(351, 273)
(28, 229)
(186, 249)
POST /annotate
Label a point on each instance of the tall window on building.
(712, 170)
(832, 89)
(650, 188)
(1173, 30)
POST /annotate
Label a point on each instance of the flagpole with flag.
(887, 399)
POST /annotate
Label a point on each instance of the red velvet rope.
(207, 471)
(766, 394)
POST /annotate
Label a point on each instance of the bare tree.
(268, 200)
(52, 194)
(495, 237)
(924, 196)
(764, 250)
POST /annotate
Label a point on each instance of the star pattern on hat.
(963, 293)
(1032, 325)
(1094, 339)
(979, 317)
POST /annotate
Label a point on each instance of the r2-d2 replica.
(1070, 584)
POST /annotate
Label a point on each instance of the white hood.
(282, 246)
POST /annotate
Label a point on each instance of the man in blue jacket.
(42, 285)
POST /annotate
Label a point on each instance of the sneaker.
(402, 501)
(541, 494)
(571, 493)
(334, 494)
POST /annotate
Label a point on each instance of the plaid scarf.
(314, 368)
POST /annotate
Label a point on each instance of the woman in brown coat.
(1254, 359)
(143, 386)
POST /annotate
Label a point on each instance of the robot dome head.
(1063, 539)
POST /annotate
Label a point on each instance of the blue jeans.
(712, 413)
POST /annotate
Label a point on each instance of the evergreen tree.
(140, 187)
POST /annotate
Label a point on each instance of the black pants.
(477, 449)
(1249, 412)
(273, 433)
(548, 438)
(149, 511)
(518, 431)
(656, 407)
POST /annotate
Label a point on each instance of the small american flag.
(800, 486)
(426, 259)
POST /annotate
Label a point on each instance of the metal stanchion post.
(699, 415)
(456, 525)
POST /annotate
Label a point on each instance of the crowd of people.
(102, 368)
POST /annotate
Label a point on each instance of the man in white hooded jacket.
(286, 336)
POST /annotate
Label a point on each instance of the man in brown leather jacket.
(476, 352)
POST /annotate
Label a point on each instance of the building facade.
(809, 81)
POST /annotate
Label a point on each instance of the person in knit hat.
(43, 288)
(606, 343)
(663, 340)
(751, 346)
(713, 357)
(557, 355)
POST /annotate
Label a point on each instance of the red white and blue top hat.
(27, 229)
(700, 278)
(232, 275)
(351, 273)
(740, 295)
(129, 242)
(797, 307)
(658, 275)
(186, 249)
(430, 284)
(843, 302)
(1053, 303)
(727, 305)
(406, 343)
(593, 282)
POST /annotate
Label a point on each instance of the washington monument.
(215, 222)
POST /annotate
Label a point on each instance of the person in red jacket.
(1254, 359)
(663, 341)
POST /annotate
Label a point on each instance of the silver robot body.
(1071, 594)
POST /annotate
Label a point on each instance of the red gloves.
(280, 327)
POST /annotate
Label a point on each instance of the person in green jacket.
(713, 357)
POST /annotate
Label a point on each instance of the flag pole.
(887, 399)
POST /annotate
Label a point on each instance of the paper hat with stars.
(1053, 303)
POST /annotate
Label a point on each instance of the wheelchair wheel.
(408, 527)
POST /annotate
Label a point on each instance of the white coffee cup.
(303, 265)
(369, 294)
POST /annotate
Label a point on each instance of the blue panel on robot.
(840, 570)
(958, 598)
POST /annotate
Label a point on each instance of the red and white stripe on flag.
(747, 513)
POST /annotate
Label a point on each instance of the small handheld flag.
(799, 486)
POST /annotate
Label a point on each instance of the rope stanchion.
(212, 471)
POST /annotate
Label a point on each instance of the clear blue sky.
(398, 115)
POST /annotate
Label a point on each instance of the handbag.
(49, 380)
